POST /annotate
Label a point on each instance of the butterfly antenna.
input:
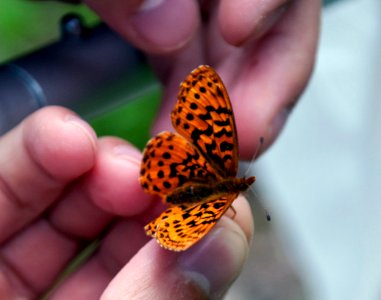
(256, 197)
(268, 216)
(256, 152)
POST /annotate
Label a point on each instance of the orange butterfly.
(194, 171)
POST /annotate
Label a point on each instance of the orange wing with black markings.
(194, 170)
(179, 227)
(203, 115)
(170, 161)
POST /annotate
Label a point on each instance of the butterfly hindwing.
(179, 227)
(170, 161)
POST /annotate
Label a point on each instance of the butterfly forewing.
(203, 115)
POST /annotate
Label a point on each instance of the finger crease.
(66, 234)
(40, 168)
(9, 194)
(13, 270)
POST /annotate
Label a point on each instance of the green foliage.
(26, 25)
(132, 121)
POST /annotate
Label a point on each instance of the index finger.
(38, 158)
(279, 44)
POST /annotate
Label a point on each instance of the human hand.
(61, 187)
(263, 50)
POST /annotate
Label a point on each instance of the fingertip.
(217, 260)
(153, 273)
(204, 271)
(243, 20)
(156, 26)
(244, 217)
(60, 142)
(114, 180)
(162, 29)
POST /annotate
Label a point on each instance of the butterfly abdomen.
(193, 193)
(199, 193)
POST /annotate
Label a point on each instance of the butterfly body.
(206, 192)
(194, 171)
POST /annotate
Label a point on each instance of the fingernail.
(269, 20)
(126, 151)
(83, 126)
(150, 4)
(215, 263)
(158, 27)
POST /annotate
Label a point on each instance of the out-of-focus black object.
(69, 72)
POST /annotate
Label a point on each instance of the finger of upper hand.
(241, 20)
(156, 26)
(270, 73)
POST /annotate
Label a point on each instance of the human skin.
(61, 186)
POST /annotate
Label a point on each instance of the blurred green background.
(27, 25)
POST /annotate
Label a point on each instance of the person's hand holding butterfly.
(264, 52)
(61, 187)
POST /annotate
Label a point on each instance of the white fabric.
(323, 176)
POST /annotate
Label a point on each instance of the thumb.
(155, 26)
(205, 271)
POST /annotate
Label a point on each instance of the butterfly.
(194, 170)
